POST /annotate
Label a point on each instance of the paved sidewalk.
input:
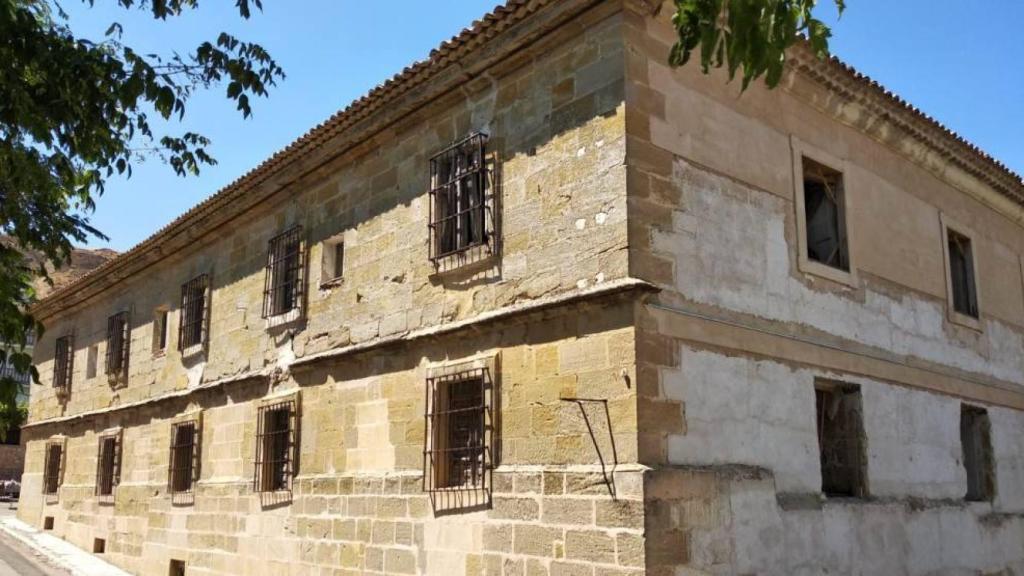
(57, 552)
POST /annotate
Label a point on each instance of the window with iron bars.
(118, 344)
(63, 363)
(8, 370)
(195, 309)
(108, 464)
(183, 463)
(284, 280)
(53, 467)
(457, 456)
(275, 447)
(461, 215)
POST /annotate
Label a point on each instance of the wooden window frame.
(63, 364)
(859, 464)
(276, 282)
(119, 331)
(184, 459)
(952, 314)
(805, 264)
(264, 479)
(446, 494)
(108, 478)
(194, 314)
(57, 476)
(446, 204)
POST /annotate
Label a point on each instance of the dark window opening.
(961, 272)
(976, 442)
(841, 441)
(338, 265)
(283, 283)
(52, 467)
(825, 212)
(63, 363)
(118, 344)
(275, 441)
(177, 568)
(108, 465)
(194, 311)
(99, 546)
(159, 331)
(460, 216)
(184, 457)
(48, 523)
(457, 457)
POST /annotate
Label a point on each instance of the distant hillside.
(83, 260)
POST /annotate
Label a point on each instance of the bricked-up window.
(275, 447)
(108, 464)
(825, 211)
(118, 344)
(195, 309)
(53, 468)
(283, 283)
(841, 440)
(961, 272)
(63, 363)
(976, 442)
(183, 464)
(460, 207)
(457, 456)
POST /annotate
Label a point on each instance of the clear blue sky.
(958, 61)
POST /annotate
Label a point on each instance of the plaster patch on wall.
(762, 413)
(729, 245)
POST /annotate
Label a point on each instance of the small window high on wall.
(461, 202)
(284, 281)
(63, 364)
(195, 310)
(841, 445)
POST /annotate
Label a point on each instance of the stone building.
(541, 305)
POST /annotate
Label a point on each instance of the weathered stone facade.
(654, 337)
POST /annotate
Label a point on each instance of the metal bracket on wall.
(609, 477)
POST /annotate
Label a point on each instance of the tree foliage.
(749, 37)
(77, 111)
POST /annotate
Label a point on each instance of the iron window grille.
(108, 464)
(183, 461)
(53, 468)
(457, 458)
(461, 215)
(976, 443)
(8, 370)
(825, 211)
(284, 281)
(63, 363)
(276, 456)
(841, 440)
(118, 344)
(961, 271)
(195, 311)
